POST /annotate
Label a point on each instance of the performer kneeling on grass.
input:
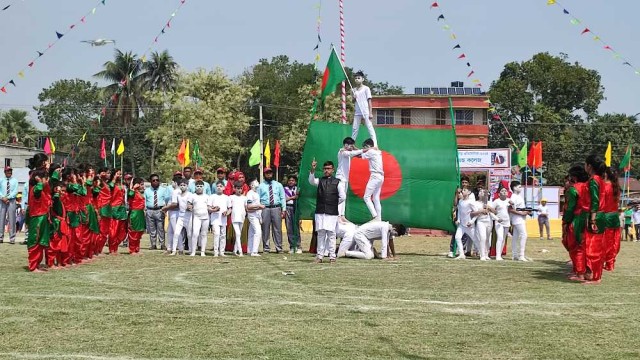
(361, 244)
(330, 194)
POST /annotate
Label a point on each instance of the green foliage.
(205, 106)
(15, 127)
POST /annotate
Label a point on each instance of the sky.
(396, 41)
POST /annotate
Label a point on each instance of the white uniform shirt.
(344, 163)
(464, 211)
(375, 161)
(362, 95)
(502, 210)
(636, 217)
(200, 208)
(238, 212)
(183, 199)
(221, 201)
(477, 206)
(345, 231)
(174, 200)
(518, 203)
(253, 199)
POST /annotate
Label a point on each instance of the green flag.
(333, 75)
(196, 154)
(419, 185)
(522, 156)
(625, 164)
(254, 158)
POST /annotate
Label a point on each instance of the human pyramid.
(74, 212)
(590, 222)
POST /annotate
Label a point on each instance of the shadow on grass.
(399, 352)
(557, 271)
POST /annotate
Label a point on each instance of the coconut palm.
(17, 127)
(160, 72)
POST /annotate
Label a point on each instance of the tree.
(546, 99)
(160, 72)
(206, 106)
(17, 128)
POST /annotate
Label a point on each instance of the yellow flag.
(52, 145)
(21, 74)
(84, 136)
(267, 154)
(120, 150)
(551, 2)
(607, 155)
(187, 155)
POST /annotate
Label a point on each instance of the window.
(385, 117)
(441, 117)
(464, 117)
(7, 162)
(405, 116)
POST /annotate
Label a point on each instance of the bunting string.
(316, 60)
(343, 97)
(142, 59)
(586, 31)
(59, 36)
(6, 6)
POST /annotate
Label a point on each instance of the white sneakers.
(255, 254)
(450, 255)
(299, 251)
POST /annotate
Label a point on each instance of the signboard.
(484, 159)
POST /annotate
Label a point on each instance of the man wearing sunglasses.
(155, 198)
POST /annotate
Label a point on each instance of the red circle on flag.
(359, 176)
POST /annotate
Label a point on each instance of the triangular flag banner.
(441, 17)
(59, 35)
(6, 7)
(21, 74)
(434, 5)
(254, 157)
(471, 73)
(462, 56)
(565, 11)
(456, 47)
(575, 21)
(120, 150)
(12, 82)
(551, 2)
(267, 154)
(586, 30)
(3, 89)
(607, 155)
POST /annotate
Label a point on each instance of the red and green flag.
(419, 186)
(333, 75)
(625, 164)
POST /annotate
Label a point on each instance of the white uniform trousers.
(372, 195)
(357, 119)
(519, 241)
(502, 231)
(460, 231)
(254, 235)
(483, 236)
(198, 232)
(183, 222)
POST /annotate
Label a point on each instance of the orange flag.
(181, 153)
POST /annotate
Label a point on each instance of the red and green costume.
(103, 205)
(72, 202)
(612, 227)
(90, 227)
(137, 220)
(574, 220)
(594, 241)
(39, 225)
(60, 231)
(118, 230)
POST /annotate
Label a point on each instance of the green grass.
(422, 306)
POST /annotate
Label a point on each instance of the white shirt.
(253, 199)
(174, 200)
(362, 95)
(344, 163)
(200, 208)
(346, 231)
(373, 230)
(221, 201)
(543, 210)
(636, 217)
(238, 211)
(518, 203)
(183, 199)
(464, 211)
(375, 161)
(502, 210)
(477, 206)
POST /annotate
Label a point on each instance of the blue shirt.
(13, 188)
(162, 197)
(278, 194)
(192, 187)
(25, 195)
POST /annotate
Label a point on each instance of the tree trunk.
(153, 158)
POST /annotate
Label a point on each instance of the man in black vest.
(330, 193)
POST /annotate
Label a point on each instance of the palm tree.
(160, 72)
(18, 128)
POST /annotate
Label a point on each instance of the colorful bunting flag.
(103, 149)
(181, 152)
(267, 154)
(625, 164)
(47, 147)
(276, 154)
(607, 155)
(120, 150)
(53, 146)
(254, 157)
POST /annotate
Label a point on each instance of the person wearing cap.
(155, 198)
(198, 176)
(8, 193)
(221, 175)
(363, 109)
(275, 207)
(543, 218)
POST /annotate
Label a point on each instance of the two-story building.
(17, 156)
(429, 108)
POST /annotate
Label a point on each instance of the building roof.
(429, 101)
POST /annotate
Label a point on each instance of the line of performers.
(591, 223)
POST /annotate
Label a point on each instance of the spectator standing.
(636, 221)
(8, 193)
(155, 198)
(292, 193)
(272, 197)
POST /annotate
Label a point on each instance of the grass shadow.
(558, 271)
(399, 352)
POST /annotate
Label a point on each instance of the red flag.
(103, 150)
(608, 48)
(181, 153)
(462, 56)
(435, 4)
(3, 89)
(534, 157)
(586, 30)
(276, 154)
(538, 160)
(471, 73)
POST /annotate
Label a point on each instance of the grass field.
(423, 306)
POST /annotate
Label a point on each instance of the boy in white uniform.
(363, 109)
(502, 224)
(218, 218)
(376, 178)
(254, 215)
(482, 222)
(200, 223)
(184, 216)
(238, 213)
(345, 154)
(464, 218)
(345, 230)
(518, 221)
(172, 209)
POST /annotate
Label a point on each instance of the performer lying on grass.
(360, 244)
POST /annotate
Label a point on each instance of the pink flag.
(47, 147)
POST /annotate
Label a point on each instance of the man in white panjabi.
(329, 195)
(254, 216)
(518, 221)
(363, 109)
(184, 216)
(464, 219)
(345, 154)
(376, 179)
(199, 225)
(502, 224)
(481, 220)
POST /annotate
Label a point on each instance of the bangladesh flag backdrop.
(419, 166)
